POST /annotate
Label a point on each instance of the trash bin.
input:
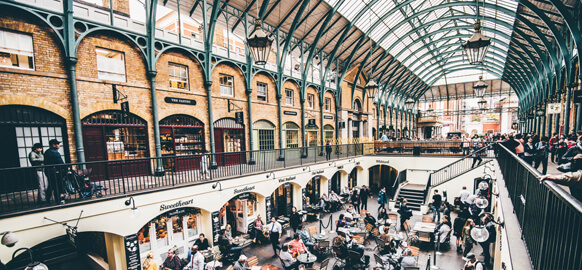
(416, 151)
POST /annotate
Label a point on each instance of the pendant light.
(476, 47)
(259, 43)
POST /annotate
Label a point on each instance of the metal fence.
(448, 147)
(460, 166)
(81, 182)
(549, 217)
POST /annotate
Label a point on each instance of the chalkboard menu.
(215, 226)
(329, 186)
(269, 208)
(132, 252)
(304, 194)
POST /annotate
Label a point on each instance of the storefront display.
(328, 133)
(291, 131)
(353, 178)
(229, 137)
(167, 230)
(264, 131)
(312, 132)
(181, 135)
(282, 200)
(313, 190)
(109, 135)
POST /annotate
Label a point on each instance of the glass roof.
(424, 34)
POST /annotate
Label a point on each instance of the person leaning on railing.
(571, 179)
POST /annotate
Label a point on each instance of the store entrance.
(240, 213)
(382, 176)
(181, 136)
(335, 185)
(282, 201)
(229, 138)
(353, 178)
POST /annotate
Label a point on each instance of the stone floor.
(447, 260)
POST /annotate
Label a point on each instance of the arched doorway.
(112, 135)
(353, 178)
(312, 191)
(239, 212)
(229, 136)
(22, 127)
(383, 176)
(178, 227)
(328, 132)
(282, 201)
(335, 183)
(181, 135)
(264, 131)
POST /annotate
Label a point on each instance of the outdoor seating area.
(363, 245)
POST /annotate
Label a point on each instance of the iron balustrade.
(549, 217)
(445, 147)
(459, 167)
(19, 191)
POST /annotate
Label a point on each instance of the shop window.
(328, 132)
(291, 135)
(262, 91)
(288, 97)
(226, 85)
(178, 76)
(310, 99)
(328, 104)
(312, 135)
(266, 139)
(27, 136)
(16, 50)
(110, 65)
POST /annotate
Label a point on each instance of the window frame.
(223, 86)
(327, 104)
(18, 52)
(289, 100)
(109, 72)
(264, 94)
(170, 76)
(310, 101)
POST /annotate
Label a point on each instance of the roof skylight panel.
(379, 31)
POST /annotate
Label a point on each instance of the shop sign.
(269, 207)
(357, 163)
(215, 225)
(554, 108)
(182, 101)
(287, 179)
(177, 212)
(180, 203)
(383, 161)
(317, 172)
(245, 189)
(311, 122)
(340, 167)
(289, 113)
(328, 117)
(72, 235)
(239, 118)
(132, 252)
(244, 196)
(125, 108)
(577, 95)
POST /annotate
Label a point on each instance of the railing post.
(544, 226)
(122, 177)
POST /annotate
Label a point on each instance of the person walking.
(437, 200)
(405, 213)
(204, 165)
(356, 199)
(295, 219)
(36, 158)
(467, 239)
(364, 194)
(54, 173)
(382, 198)
(328, 150)
(275, 232)
(529, 151)
(553, 143)
(541, 156)
(476, 156)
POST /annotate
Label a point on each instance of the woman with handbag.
(467, 239)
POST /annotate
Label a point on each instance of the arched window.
(291, 131)
(265, 133)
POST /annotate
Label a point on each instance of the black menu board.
(215, 226)
(304, 194)
(132, 252)
(269, 205)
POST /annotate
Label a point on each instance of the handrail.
(457, 168)
(548, 216)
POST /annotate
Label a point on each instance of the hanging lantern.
(409, 104)
(481, 103)
(260, 44)
(476, 47)
(480, 87)
(372, 89)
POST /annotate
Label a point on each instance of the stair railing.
(459, 167)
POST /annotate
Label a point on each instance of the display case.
(181, 141)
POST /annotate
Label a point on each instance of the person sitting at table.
(407, 260)
(296, 245)
(382, 214)
(257, 229)
(197, 261)
(360, 250)
(241, 263)
(442, 230)
(385, 235)
(305, 237)
(341, 246)
(226, 246)
(345, 192)
(341, 222)
(321, 204)
(333, 197)
(334, 201)
(287, 259)
(202, 242)
(172, 262)
(369, 219)
(228, 230)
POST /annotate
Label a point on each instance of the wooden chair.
(323, 265)
(415, 251)
(380, 244)
(394, 220)
(359, 239)
(313, 230)
(378, 260)
(230, 268)
(253, 261)
(427, 219)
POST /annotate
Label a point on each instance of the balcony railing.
(447, 147)
(19, 187)
(549, 217)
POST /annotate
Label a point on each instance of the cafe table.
(307, 259)
(424, 230)
(320, 236)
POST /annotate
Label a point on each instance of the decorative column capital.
(152, 74)
(207, 84)
(71, 61)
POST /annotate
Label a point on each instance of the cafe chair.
(324, 247)
(323, 265)
(253, 261)
(380, 244)
(415, 251)
(312, 230)
(412, 268)
(230, 268)
(355, 260)
(427, 219)
(379, 261)
(393, 220)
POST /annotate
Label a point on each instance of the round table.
(307, 259)
(354, 230)
(320, 237)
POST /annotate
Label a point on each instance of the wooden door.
(93, 141)
(219, 146)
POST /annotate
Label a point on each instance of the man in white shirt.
(478, 265)
(275, 232)
(197, 262)
(464, 195)
(288, 261)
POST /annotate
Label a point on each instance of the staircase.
(414, 194)
(54, 253)
(459, 167)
